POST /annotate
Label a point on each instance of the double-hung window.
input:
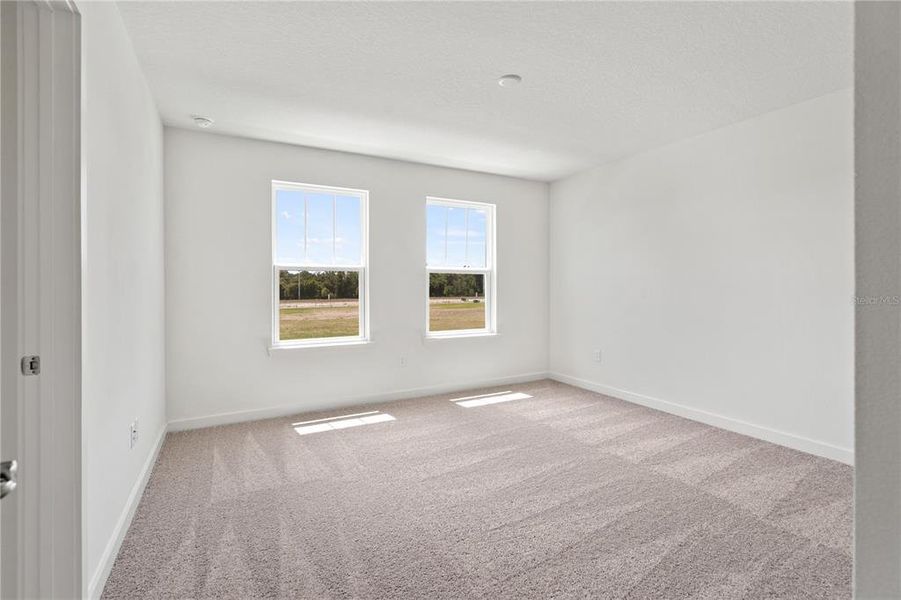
(319, 264)
(460, 262)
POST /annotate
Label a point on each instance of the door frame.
(40, 297)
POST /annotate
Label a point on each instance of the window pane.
(456, 237)
(349, 232)
(456, 301)
(320, 227)
(477, 224)
(289, 226)
(436, 221)
(318, 304)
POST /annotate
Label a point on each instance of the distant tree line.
(308, 285)
(448, 285)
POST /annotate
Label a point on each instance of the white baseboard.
(293, 409)
(796, 442)
(98, 580)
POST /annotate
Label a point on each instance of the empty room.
(430, 300)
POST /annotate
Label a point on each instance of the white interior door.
(40, 298)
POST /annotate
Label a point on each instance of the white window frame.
(489, 270)
(362, 269)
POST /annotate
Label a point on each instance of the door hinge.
(31, 365)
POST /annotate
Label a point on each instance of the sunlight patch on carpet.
(472, 401)
(343, 422)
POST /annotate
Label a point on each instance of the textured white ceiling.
(417, 81)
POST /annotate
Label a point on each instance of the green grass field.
(318, 322)
(309, 322)
(450, 316)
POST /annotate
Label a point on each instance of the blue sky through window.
(475, 251)
(320, 227)
(436, 218)
(317, 228)
(289, 226)
(348, 230)
(455, 236)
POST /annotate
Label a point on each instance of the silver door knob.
(8, 470)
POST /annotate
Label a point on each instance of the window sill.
(319, 345)
(457, 336)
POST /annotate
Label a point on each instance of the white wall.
(123, 300)
(717, 274)
(218, 282)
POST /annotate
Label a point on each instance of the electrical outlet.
(403, 361)
(133, 434)
(596, 356)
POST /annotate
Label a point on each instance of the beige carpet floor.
(551, 492)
